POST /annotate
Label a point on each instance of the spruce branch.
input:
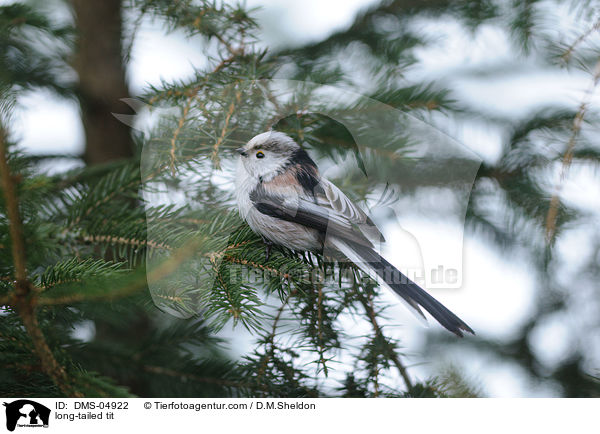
(256, 265)
(233, 309)
(270, 340)
(567, 159)
(367, 303)
(184, 113)
(566, 56)
(133, 242)
(215, 155)
(195, 87)
(109, 187)
(320, 328)
(24, 298)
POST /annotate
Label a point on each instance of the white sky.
(497, 292)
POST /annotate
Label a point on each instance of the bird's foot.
(268, 246)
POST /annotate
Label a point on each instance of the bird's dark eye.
(260, 154)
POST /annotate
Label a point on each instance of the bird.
(284, 199)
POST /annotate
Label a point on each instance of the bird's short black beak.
(242, 152)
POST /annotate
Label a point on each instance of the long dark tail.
(409, 290)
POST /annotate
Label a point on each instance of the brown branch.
(233, 310)
(320, 312)
(367, 303)
(255, 265)
(174, 298)
(184, 114)
(194, 90)
(568, 156)
(50, 366)
(59, 282)
(569, 51)
(111, 239)
(271, 338)
(15, 227)
(24, 298)
(223, 63)
(320, 329)
(224, 132)
(233, 51)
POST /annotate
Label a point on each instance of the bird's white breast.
(244, 184)
(288, 234)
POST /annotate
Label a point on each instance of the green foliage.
(514, 193)
(104, 260)
(131, 290)
(33, 49)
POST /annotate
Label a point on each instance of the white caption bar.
(163, 415)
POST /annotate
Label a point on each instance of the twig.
(367, 303)
(376, 381)
(184, 114)
(569, 51)
(224, 132)
(271, 338)
(233, 310)
(194, 90)
(568, 156)
(111, 239)
(320, 329)
(232, 50)
(255, 265)
(136, 26)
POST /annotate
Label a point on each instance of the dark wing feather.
(327, 194)
(307, 213)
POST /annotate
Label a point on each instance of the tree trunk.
(99, 64)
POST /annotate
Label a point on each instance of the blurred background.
(514, 82)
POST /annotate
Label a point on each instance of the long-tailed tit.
(282, 196)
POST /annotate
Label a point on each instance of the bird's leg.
(268, 245)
